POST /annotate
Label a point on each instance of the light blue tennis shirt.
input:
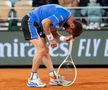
(57, 15)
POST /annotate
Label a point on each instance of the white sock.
(33, 75)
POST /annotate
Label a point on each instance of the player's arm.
(46, 26)
(46, 23)
(60, 37)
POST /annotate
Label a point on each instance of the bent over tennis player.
(41, 23)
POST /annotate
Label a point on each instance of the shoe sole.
(53, 84)
(35, 86)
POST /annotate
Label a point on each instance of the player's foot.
(35, 83)
(53, 82)
(53, 78)
(61, 81)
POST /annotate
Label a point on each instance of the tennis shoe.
(61, 81)
(53, 82)
(35, 83)
(64, 82)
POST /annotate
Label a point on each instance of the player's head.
(74, 31)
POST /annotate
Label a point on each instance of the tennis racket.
(67, 72)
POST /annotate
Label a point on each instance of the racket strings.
(67, 71)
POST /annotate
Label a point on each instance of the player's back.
(39, 13)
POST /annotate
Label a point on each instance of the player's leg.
(46, 58)
(30, 30)
(48, 63)
(34, 80)
(40, 52)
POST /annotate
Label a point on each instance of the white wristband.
(50, 37)
(62, 38)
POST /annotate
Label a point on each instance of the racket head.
(66, 73)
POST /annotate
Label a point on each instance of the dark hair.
(78, 28)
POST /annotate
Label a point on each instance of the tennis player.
(41, 23)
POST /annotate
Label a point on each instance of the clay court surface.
(87, 79)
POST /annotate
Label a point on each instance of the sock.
(53, 74)
(33, 75)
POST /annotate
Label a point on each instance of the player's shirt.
(57, 14)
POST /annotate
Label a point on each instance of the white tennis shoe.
(35, 83)
(53, 82)
(61, 81)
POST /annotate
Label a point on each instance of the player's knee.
(47, 50)
(42, 51)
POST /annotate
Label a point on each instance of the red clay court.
(87, 79)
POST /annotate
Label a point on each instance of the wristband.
(62, 38)
(50, 37)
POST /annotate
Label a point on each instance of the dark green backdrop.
(91, 48)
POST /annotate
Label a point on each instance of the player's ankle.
(33, 75)
(53, 74)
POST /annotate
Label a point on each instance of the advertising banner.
(91, 48)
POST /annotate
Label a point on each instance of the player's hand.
(53, 43)
(68, 39)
